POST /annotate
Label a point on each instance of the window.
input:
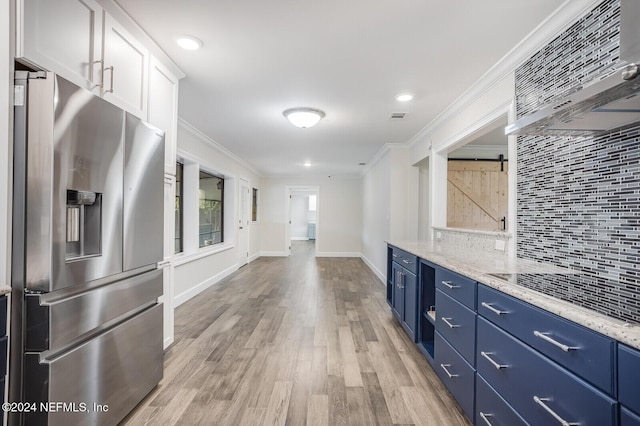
(178, 240)
(211, 208)
(254, 205)
(312, 203)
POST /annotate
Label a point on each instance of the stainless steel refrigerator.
(86, 325)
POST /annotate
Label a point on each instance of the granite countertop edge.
(4, 289)
(477, 265)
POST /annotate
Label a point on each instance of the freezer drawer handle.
(444, 367)
(485, 417)
(492, 309)
(447, 321)
(448, 284)
(486, 356)
(546, 338)
(540, 402)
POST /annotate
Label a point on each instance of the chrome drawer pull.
(486, 356)
(444, 367)
(448, 284)
(540, 402)
(485, 417)
(492, 309)
(394, 255)
(562, 346)
(408, 262)
(446, 321)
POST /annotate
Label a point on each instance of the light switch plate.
(500, 245)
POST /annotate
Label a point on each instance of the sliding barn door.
(477, 195)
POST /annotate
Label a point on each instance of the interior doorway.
(303, 218)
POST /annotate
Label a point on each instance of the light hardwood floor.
(298, 340)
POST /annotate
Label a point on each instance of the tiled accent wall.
(588, 49)
(579, 198)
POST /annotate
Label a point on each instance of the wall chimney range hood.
(602, 105)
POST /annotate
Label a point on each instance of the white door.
(243, 223)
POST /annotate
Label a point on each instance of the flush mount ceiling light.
(303, 117)
(189, 42)
(307, 164)
(404, 97)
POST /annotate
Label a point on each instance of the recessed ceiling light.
(404, 97)
(307, 164)
(303, 117)
(189, 42)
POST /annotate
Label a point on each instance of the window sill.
(181, 258)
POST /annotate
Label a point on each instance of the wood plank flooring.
(295, 341)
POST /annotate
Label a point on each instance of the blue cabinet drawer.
(461, 288)
(536, 387)
(629, 377)
(457, 324)
(456, 374)
(585, 352)
(404, 259)
(491, 409)
(628, 418)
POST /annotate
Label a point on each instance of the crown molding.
(381, 153)
(215, 145)
(565, 15)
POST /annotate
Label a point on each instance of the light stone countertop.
(477, 264)
(4, 289)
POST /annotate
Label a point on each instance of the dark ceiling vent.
(397, 115)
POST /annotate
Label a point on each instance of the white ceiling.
(346, 57)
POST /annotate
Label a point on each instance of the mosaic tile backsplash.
(579, 198)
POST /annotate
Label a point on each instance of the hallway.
(297, 340)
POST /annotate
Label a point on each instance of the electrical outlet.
(500, 245)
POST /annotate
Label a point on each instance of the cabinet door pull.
(541, 402)
(444, 367)
(406, 262)
(110, 90)
(485, 417)
(448, 284)
(101, 62)
(546, 338)
(486, 356)
(446, 321)
(492, 309)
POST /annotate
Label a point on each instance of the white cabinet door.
(163, 109)
(62, 36)
(125, 69)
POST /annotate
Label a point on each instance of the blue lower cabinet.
(410, 310)
(629, 418)
(491, 409)
(456, 374)
(536, 387)
(629, 377)
(457, 324)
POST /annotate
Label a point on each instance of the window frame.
(221, 179)
(179, 209)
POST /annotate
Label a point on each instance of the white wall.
(339, 215)
(199, 268)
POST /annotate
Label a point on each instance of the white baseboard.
(199, 288)
(380, 275)
(254, 257)
(337, 254)
(167, 342)
(299, 238)
(274, 253)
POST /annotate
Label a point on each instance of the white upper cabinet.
(163, 109)
(125, 69)
(78, 40)
(62, 36)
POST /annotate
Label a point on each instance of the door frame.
(292, 189)
(243, 228)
